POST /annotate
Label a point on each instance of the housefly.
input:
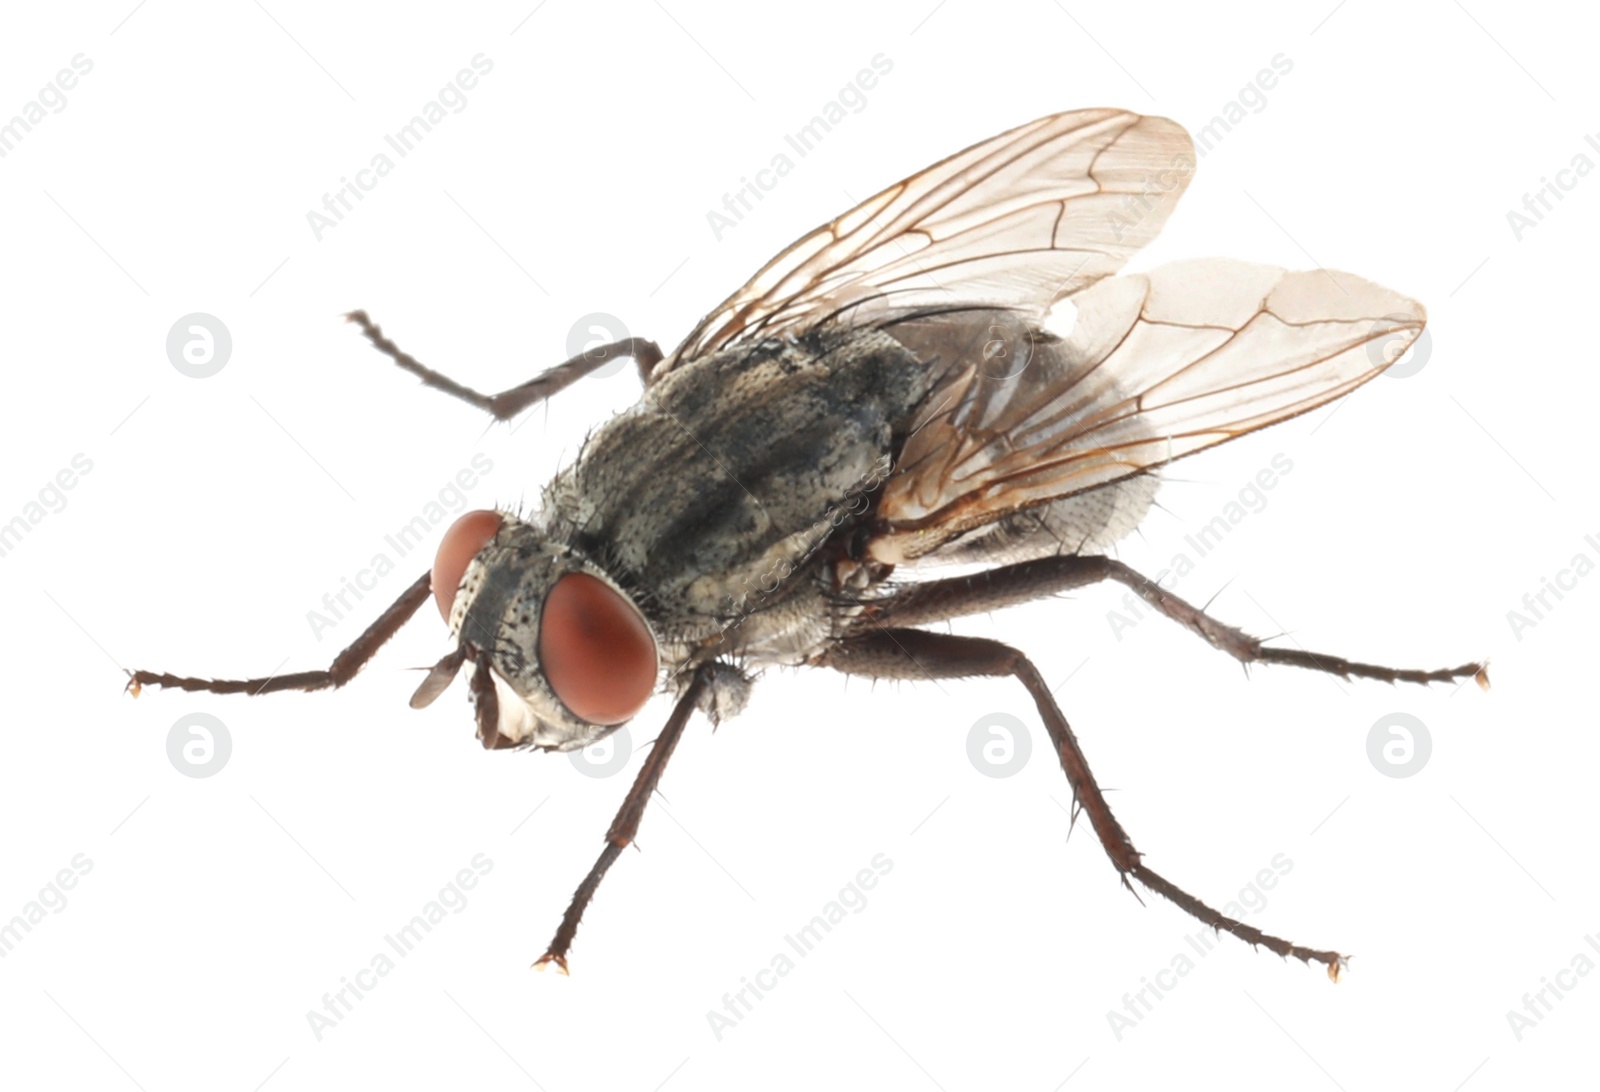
(952, 371)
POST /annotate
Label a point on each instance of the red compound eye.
(595, 650)
(462, 541)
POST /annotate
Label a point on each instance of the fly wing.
(1156, 366)
(1015, 221)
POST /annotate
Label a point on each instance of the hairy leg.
(626, 823)
(938, 600)
(914, 654)
(507, 404)
(342, 670)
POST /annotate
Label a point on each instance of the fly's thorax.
(731, 474)
(572, 655)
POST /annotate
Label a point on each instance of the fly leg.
(507, 404)
(342, 670)
(626, 824)
(917, 654)
(938, 600)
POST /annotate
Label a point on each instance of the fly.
(951, 372)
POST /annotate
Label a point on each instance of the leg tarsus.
(344, 667)
(508, 403)
(1252, 936)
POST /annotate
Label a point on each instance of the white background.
(219, 910)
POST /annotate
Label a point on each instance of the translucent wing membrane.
(1016, 221)
(1156, 366)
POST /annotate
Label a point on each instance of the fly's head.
(561, 654)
